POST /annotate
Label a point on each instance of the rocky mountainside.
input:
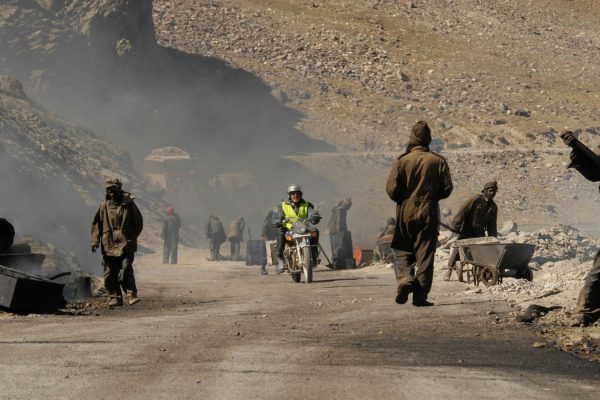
(96, 64)
(53, 173)
(484, 73)
(497, 81)
(333, 87)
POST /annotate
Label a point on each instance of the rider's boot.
(263, 269)
(280, 265)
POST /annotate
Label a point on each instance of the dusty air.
(225, 199)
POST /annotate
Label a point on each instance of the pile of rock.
(558, 242)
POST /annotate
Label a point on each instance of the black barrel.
(341, 250)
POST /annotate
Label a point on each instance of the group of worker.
(215, 233)
(418, 180)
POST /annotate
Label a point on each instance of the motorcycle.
(297, 251)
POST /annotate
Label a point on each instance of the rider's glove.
(315, 219)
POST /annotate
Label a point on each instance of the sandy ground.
(222, 331)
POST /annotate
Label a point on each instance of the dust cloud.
(46, 209)
(115, 80)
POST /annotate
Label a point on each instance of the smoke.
(47, 209)
(105, 72)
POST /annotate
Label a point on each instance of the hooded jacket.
(116, 226)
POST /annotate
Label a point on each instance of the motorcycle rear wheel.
(307, 267)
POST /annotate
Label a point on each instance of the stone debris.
(557, 243)
(561, 261)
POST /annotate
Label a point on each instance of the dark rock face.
(104, 22)
(11, 86)
(47, 34)
(97, 63)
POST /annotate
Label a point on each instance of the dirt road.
(221, 331)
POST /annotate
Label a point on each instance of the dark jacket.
(117, 226)
(215, 231)
(269, 231)
(170, 229)
(585, 166)
(476, 217)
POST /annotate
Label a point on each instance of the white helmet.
(294, 188)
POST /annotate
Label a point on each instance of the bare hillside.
(482, 72)
(497, 80)
(319, 93)
(53, 175)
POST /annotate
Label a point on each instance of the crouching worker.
(476, 218)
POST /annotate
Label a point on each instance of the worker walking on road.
(116, 227)
(269, 233)
(419, 179)
(170, 236)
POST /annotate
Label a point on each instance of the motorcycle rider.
(292, 209)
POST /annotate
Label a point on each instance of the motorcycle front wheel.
(296, 276)
(307, 265)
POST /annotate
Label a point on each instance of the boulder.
(508, 227)
(11, 86)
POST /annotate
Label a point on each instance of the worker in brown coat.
(235, 235)
(588, 164)
(116, 227)
(419, 179)
(477, 217)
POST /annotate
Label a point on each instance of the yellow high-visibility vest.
(288, 211)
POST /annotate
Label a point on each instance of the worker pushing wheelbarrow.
(489, 262)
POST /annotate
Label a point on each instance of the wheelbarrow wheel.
(488, 275)
(525, 273)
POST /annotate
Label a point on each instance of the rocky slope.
(245, 81)
(487, 75)
(483, 73)
(52, 175)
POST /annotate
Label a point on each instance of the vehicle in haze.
(297, 251)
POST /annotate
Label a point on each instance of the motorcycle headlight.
(300, 228)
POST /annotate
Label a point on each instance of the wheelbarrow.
(489, 263)
(384, 251)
